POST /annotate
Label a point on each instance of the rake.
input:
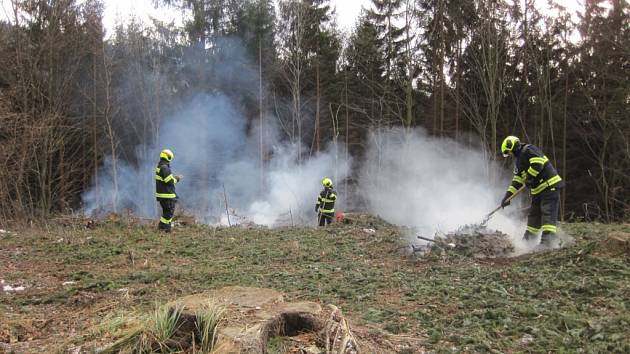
(487, 218)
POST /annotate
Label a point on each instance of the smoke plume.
(218, 151)
(407, 177)
(433, 184)
(220, 161)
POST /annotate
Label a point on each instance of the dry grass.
(563, 300)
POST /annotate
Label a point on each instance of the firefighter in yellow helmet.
(533, 169)
(165, 189)
(325, 206)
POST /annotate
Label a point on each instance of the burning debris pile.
(474, 241)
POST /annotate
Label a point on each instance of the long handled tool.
(487, 218)
(426, 239)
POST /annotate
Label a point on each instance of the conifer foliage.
(72, 97)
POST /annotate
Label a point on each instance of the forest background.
(73, 100)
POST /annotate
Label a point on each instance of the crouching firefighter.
(533, 169)
(165, 189)
(325, 206)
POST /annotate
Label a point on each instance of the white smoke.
(433, 184)
(220, 160)
(218, 151)
(292, 188)
(408, 178)
(116, 192)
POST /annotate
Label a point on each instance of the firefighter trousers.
(543, 215)
(168, 210)
(325, 218)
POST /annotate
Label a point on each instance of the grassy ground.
(566, 300)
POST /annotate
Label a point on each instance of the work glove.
(316, 208)
(179, 177)
(505, 201)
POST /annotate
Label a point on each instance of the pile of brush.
(475, 241)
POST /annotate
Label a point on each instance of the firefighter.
(165, 189)
(533, 169)
(325, 206)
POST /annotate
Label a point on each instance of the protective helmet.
(167, 155)
(508, 145)
(327, 182)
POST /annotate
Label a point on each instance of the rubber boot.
(164, 227)
(547, 239)
(528, 236)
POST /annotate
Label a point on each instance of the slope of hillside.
(79, 281)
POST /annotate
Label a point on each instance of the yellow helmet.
(327, 182)
(167, 155)
(508, 145)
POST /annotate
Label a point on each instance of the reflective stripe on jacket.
(326, 200)
(164, 181)
(533, 168)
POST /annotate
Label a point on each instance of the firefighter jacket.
(326, 201)
(533, 169)
(164, 181)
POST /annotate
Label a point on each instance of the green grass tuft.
(163, 325)
(207, 320)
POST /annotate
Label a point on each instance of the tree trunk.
(317, 105)
(564, 147)
(347, 132)
(260, 111)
